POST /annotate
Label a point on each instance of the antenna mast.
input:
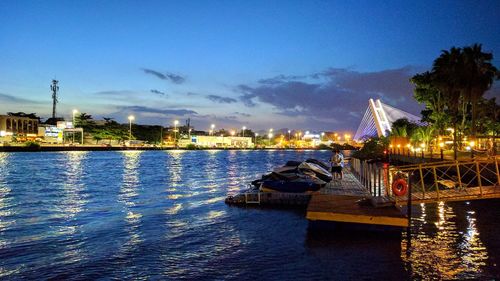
(55, 88)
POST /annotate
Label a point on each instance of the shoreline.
(123, 148)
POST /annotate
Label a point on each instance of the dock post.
(408, 229)
(498, 173)
(379, 183)
(370, 167)
(478, 171)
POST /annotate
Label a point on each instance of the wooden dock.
(347, 201)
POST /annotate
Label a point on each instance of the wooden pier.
(365, 195)
(348, 201)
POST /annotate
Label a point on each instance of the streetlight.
(175, 131)
(130, 118)
(322, 135)
(213, 127)
(256, 135)
(270, 135)
(243, 131)
(74, 112)
(289, 135)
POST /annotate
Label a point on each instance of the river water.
(161, 215)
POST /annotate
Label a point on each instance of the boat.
(295, 177)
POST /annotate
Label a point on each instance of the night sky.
(261, 64)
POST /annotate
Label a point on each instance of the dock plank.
(338, 202)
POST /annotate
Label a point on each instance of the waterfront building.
(217, 141)
(19, 127)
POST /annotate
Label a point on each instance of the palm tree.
(447, 78)
(479, 74)
(423, 135)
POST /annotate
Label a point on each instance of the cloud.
(116, 93)
(160, 93)
(242, 114)
(336, 95)
(172, 77)
(220, 99)
(4, 98)
(145, 109)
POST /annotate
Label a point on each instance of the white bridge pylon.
(378, 119)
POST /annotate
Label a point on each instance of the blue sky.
(281, 64)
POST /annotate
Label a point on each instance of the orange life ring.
(399, 187)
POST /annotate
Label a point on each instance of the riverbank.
(118, 148)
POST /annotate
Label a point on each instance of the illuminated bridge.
(378, 120)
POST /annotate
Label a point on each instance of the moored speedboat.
(295, 177)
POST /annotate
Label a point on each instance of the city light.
(175, 131)
(74, 112)
(130, 119)
(212, 129)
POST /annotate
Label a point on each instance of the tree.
(426, 92)
(446, 78)
(424, 135)
(478, 76)
(84, 121)
(22, 114)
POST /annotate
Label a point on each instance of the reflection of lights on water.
(434, 253)
(128, 193)
(4, 196)
(73, 187)
(175, 168)
(174, 210)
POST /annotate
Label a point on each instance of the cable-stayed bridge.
(378, 119)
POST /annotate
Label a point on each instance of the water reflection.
(440, 248)
(74, 198)
(6, 200)
(128, 196)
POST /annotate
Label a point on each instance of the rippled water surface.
(161, 215)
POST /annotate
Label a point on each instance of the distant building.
(217, 141)
(18, 126)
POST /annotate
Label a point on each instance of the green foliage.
(344, 146)
(373, 148)
(423, 134)
(32, 145)
(191, 146)
(453, 91)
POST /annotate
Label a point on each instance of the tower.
(55, 88)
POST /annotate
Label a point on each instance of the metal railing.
(431, 182)
(373, 176)
(448, 181)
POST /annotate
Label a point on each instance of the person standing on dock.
(337, 161)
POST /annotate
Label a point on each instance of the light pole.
(289, 135)
(74, 112)
(255, 142)
(130, 118)
(322, 136)
(213, 127)
(270, 135)
(243, 131)
(175, 132)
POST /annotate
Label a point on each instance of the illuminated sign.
(52, 131)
